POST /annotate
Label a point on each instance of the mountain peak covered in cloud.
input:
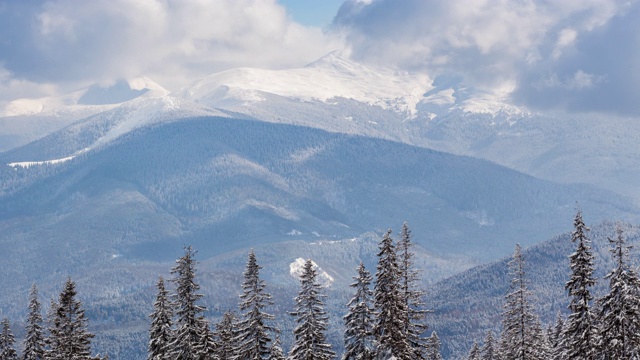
(558, 55)
(99, 95)
(121, 91)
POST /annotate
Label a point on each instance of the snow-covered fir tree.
(160, 332)
(540, 342)
(389, 329)
(189, 337)
(517, 340)
(620, 309)
(433, 347)
(580, 333)
(226, 336)
(276, 352)
(7, 342)
(34, 339)
(488, 350)
(309, 335)
(410, 290)
(253, 330)
(556, 339)
(359, 342)
(68, 334)
(207, 349)
(474, 353)
(50, 325)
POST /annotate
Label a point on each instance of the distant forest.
(385, 318)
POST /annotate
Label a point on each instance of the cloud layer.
(172, 41)
(570, 54)
(574, 55)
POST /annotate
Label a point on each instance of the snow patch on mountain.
(27, 164)
(296, 270)
(305, 154)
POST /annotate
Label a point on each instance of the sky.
(569, 55)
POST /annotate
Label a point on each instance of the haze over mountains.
(108, 183)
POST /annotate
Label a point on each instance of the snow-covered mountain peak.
(333, 76)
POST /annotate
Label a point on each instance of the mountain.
(338, 94)
(25, 120)
(107, 184)
(113, 216)
(470, 303)
(216, 173)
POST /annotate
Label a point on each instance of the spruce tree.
(189, 336)
(517, 338)
(309, 335)
(68, 334)
(160, 333)
(207, 349)
(358, 334)
(433, 347)
(580, 333)
(226, 335)
(276, 349)
(488, 350)
(253, 331)
(620, 308)
(474, 353)
(556, 339)
(34, 340)
(540, 348)
(50, 328)
(412, 295)
(7, 342)
(391, 311)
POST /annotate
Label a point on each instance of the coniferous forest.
(386, 318)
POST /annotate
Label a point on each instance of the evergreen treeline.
(385, 318)
(594, 329)
(383, 321)
(62, 336)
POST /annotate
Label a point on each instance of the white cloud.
(582, 47)
(171, 41)
(446, 35)
(488, 43)
(566, 37)
(11, 88)
(580, 80)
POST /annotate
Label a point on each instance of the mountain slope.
(217, 172)
(470, 303)
(116, 215)
(340, 95)
(25, 120)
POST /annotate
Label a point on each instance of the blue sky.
(570, 55)
(312, 12)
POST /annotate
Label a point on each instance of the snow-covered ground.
(26, 164)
